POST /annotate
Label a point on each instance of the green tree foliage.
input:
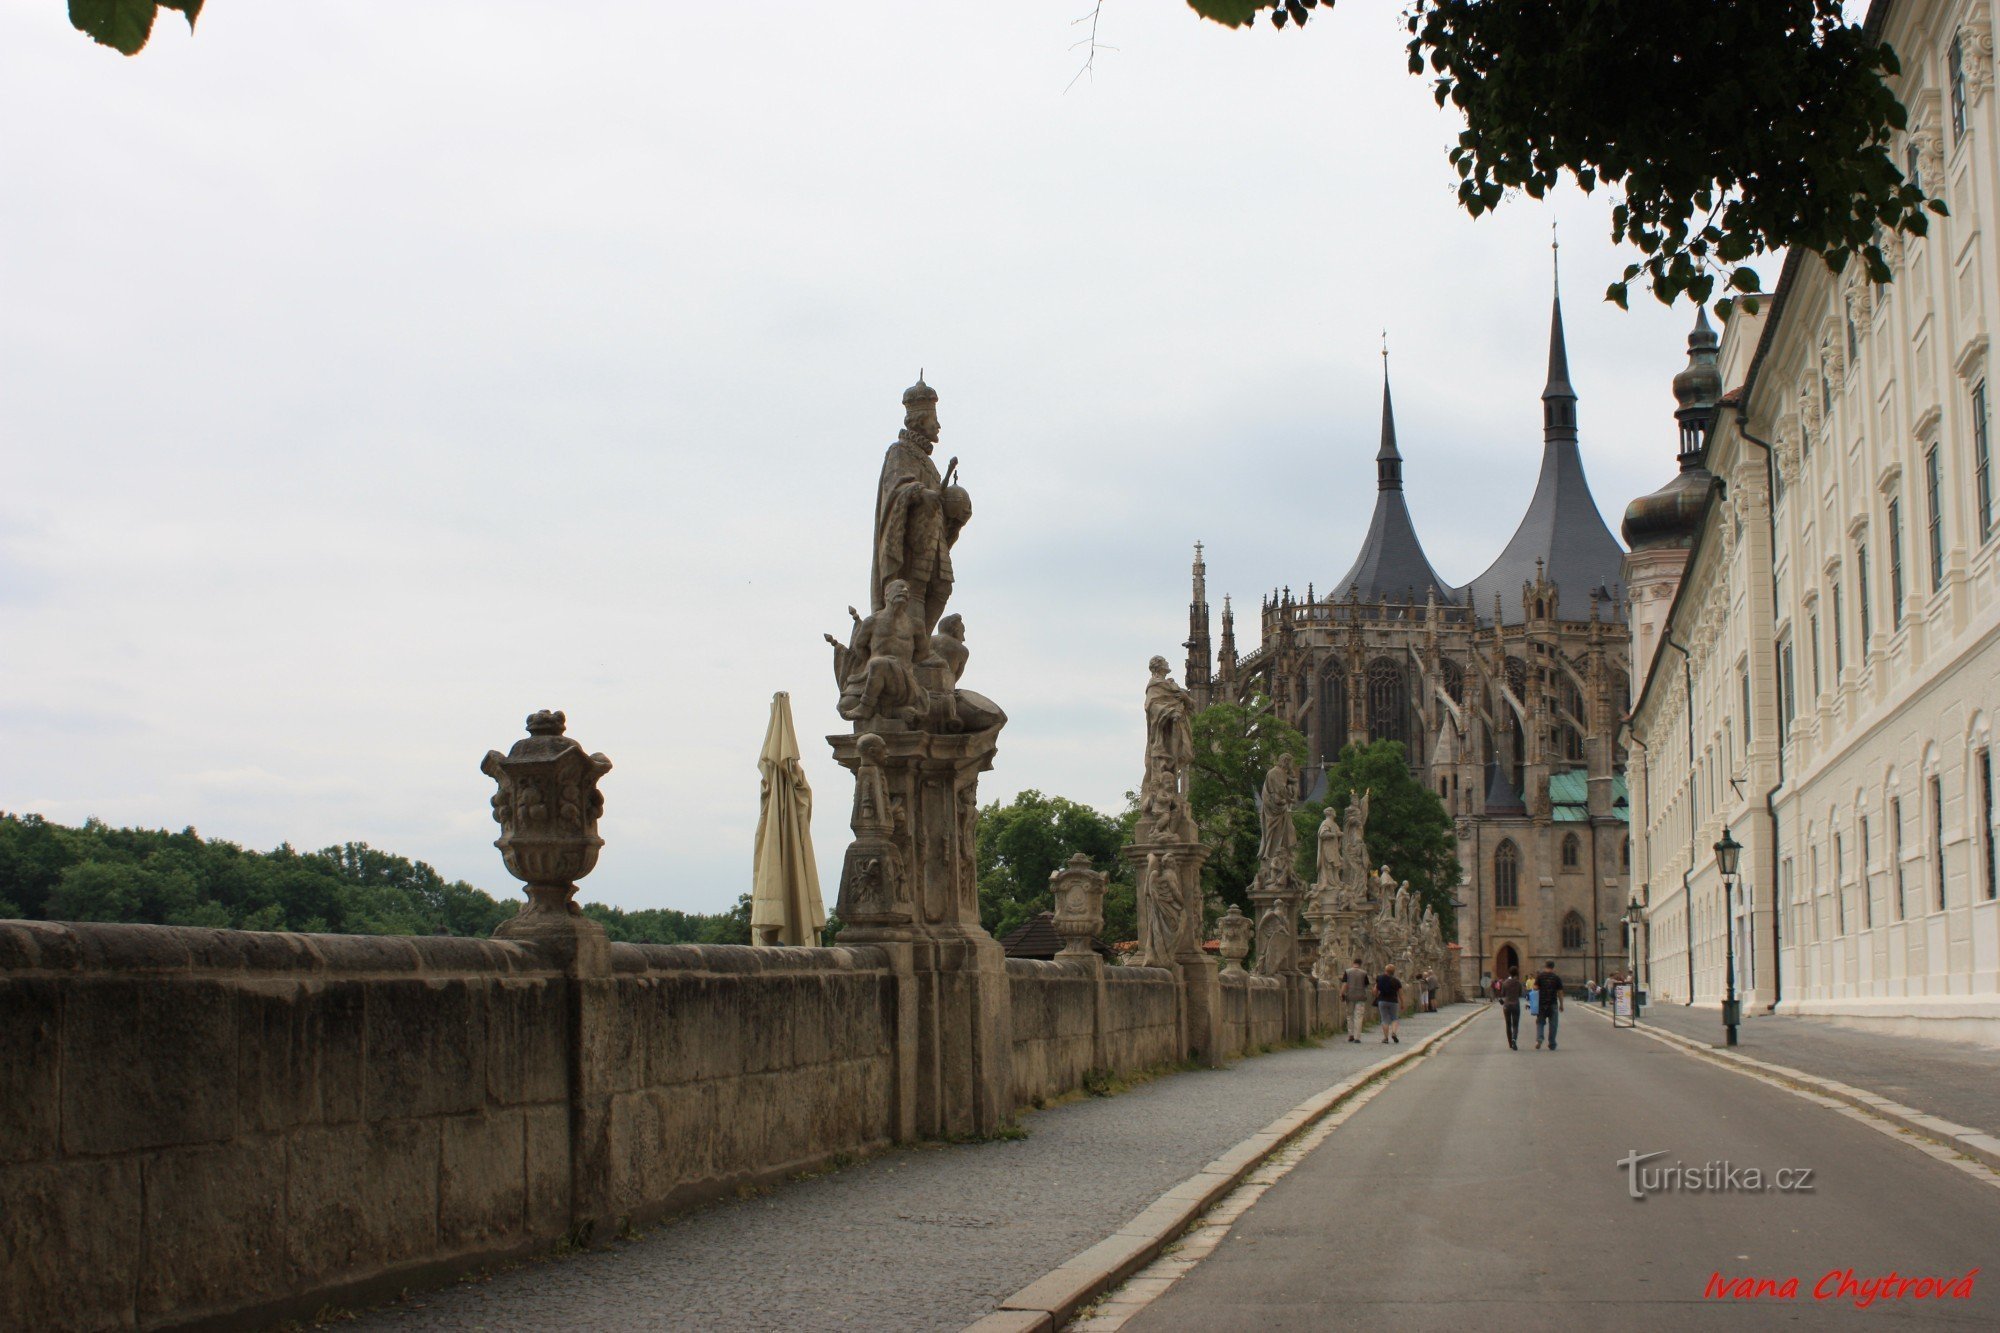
(125, 25)
(1409, 829)
(1235, 745)
(1725, 130)
(50, 872)
(665, 925)
(1020, 844)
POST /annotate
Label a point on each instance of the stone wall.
(198, 1121)
(1253, 1012)
(203, 1122)
(722, 1066)
(209, 1124)
(1071, 1017)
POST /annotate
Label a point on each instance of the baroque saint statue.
(1280, 840)
(1163, 791)
(918, 513)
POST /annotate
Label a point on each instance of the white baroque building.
(1816, 612)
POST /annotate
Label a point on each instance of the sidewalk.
(1952, 1080)
(933, 1237)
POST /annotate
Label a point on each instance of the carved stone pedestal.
(1167, 890)
(909, 884)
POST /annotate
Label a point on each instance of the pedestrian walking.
(1510, 1007)
(1389, 1001)
(1548, 1004)
(1356, 991)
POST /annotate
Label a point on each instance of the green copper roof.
(1569, 797)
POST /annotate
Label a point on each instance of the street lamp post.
(1726, 853)
(1635, 915)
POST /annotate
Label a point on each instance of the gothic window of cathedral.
(1572, 851)
(1572, 932)
(1507, 875)
(1388, 703)
(1332, 710)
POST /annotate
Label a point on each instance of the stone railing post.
(547, 807)
(1078, 893)
(1234, 930)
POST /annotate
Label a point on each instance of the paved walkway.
(1954, 1080)
(921, 1238)
(1482, 1188)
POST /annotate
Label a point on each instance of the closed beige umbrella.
(785, 905)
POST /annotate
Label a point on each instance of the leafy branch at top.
(1725, 130)
(125, 24)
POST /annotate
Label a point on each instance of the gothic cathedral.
(1507, 695)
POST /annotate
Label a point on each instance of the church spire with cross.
(1562, 536)
(1392, 565)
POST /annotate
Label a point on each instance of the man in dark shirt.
(1510, 1007)
(1548, 1003)
(1389, 1002)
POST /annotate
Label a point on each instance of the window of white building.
(1839, 883)
(1937, 837)
(1955, 75)
(1896, 857)
(1839, 650)
(1984, 765)
(1982, 462)
(1867, 894)
(1895, 562)
(1933, 485)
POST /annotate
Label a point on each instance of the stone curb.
(1050, 1300)
(1959, 1138)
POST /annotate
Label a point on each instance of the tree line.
(54, 872)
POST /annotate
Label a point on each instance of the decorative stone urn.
(1234, 930)
(1079, 898)
(547, 809)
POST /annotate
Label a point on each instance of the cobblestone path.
(919, 1238)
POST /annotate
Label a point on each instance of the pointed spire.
(1388, 460)
(1558, 398)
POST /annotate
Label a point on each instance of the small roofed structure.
(1037, 938)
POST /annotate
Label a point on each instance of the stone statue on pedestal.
(1276, 890)
(918, 744)
(1166, 849)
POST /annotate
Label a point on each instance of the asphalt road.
(1483, 1189)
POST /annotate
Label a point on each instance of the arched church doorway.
(1506, 958)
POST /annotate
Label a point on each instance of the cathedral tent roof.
(1562, 529)
(1392, 566)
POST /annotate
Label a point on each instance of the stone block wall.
(211, 1125)
(723, 1066)
(1070, 1017)
(195, 1122)
(199, 1123)
(1141, 1025)
(1253, 1012)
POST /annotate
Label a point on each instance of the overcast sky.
(374, 374)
